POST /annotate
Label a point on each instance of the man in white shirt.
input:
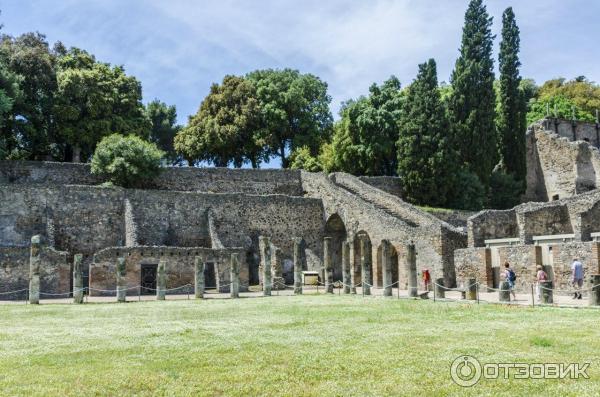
(577, 277)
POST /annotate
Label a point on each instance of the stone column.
(346, 271)
(365, 263)
(34, 269)
(234, 288)
(386, 268)
(471, 289)
(198, 278)
(440, 292)
(299, 263)
(265, 261)
(328, 264)
(594, 298)
(352, 268)
(121, 280)
(411, 270)
(546, 291)
(277, 269)
(504, 292)
(78, 278)
(161, 280)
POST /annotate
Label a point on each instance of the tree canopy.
(164, 128)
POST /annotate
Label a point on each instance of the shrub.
(468, 193)
(505, 191)
(127, 161)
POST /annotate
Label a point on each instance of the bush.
(468, 193)
(127, 161)
(505, 191)
(302, 159)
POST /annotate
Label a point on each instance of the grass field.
(291, 346)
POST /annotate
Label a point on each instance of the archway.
(357, 266)
(334, 228)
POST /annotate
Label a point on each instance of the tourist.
(511, 277)
(539, 278)
(577, 277)
(426, 280)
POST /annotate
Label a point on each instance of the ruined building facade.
(206, 212)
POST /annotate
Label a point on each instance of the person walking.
(540, 276)
(577, 277)
(511, 277)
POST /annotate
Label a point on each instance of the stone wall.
(55, 272)
(456, 218)
(491, 224)
(389, 184)
(474, 263)
(179, 268)
(211, 180)
(559, 166)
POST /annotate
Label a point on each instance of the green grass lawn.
(290, 346)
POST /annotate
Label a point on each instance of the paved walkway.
(484, 297)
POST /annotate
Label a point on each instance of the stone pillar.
(328, 264)
(386, 268)
(440, 292)
(594, 298)
(411, 270)
(78, 278)
(34, 269)
(504, 292)
(365, 262)
(234, 288)
(198, 278)
(471, 289)
(277, 269)
(161, 280)
(121, 280)
(265, 261)
(352, 260)
(346, 270)
(299, 263)
(546, 292)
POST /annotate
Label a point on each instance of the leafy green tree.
(28, 130)
(511, 121)
(301, 158)
(295, 110)
(468, 192)
(228, 127)
(164, 128)
(127, 161)
(472, 103)
(363, 140)
(425, 163)
(95, 100)
(558, 106)
(10, 92)
(505, 190)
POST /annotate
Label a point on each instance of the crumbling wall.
(491, 224)
(389, 184)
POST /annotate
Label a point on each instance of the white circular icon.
(465, 371)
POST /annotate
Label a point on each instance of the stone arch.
(357, 265)
(335, 228)
(378, 277)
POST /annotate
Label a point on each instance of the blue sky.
(177, 48)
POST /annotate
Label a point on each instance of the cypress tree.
(472, 103)
(512, 108)
(423, 152)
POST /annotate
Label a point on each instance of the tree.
(95, 100)
(363, 140)
(579, 94)
(424, 159)
(164, 128)
(511, 121)
(556, 106)
(228, 127)
(472, 102)
(10, 92)
(295, 110)
(127, 161)
(28, 129)
(301, 158)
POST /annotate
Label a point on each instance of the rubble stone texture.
(328, 264)
(346, 268)
(366, 263)
(411, 268)
(440, 291)
(387, 269)
(121, 280)
(235, 276)
(594, 297)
